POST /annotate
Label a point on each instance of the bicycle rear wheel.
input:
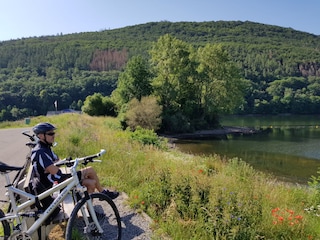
(108, 217)
(4, 227)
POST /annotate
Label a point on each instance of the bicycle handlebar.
(31, 137)
(84, 160)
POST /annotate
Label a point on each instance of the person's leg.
(90, 173)
(90, 184)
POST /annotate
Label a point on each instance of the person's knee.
(90, 170)
(89, 182)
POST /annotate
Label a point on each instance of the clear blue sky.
(29, 18)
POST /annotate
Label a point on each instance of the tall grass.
(190, 197)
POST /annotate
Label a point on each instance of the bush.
(98, 105)
(145, 113)
(148, 137)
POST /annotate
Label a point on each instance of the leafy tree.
(222, 89)
(195, 85)
(134, 82)
(175, 72)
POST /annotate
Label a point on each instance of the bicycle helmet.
(43, 128)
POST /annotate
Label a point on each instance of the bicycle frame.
(67, 186)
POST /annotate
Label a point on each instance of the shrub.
(98, 105)
(148, 137)
(145, 113)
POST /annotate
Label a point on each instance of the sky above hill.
(34, 18)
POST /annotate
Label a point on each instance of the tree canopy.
(192, 86)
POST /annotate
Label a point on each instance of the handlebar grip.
(102, 151)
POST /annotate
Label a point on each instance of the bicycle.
(20, 177)
(95, 216)
(22, 173)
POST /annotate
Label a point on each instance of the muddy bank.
(220, 133)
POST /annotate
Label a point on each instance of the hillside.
(70, 67)
(245, 37)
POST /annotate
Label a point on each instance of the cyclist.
(43, 159)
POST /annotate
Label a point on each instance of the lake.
(288, 148)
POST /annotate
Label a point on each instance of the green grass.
(190, 197)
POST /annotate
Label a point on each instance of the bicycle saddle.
(4, 167)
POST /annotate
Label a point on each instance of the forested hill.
(70, 67)
(284, 45)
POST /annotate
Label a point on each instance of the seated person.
(43, 159)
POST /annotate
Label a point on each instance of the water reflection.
(290, 153)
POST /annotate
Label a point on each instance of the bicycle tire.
(5, 231)
(108, 216)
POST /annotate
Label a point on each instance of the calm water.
(288, 149)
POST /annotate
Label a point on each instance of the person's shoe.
(110, 194)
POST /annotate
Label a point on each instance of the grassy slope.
(189, 197)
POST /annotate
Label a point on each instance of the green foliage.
(174, 72)
(314, 183)
(134, 82)
(34, 94)
(97, 105)
(194, 86)
(221, 87)
(178, 123)
(109, 106)
(145, 113)
(148, 137)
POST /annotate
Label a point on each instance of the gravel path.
(135, 225)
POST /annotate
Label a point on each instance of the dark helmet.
(43, 128)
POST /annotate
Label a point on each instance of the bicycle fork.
(93, 215)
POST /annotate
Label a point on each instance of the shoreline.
(213, 133)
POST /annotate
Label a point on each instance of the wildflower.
(200, 171)
(142, 203)
(286, 216)
(291, 223)
(290, 211)
(274, 211)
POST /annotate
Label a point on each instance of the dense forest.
(282, 65)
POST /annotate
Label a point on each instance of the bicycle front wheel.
(4, 227)
(81, 225)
